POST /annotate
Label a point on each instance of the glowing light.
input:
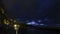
(31, 23)
(16, 26)
(6, 22)
(28, 23)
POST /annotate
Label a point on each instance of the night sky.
(33, 9)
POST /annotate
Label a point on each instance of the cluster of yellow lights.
(6, 22)
(16, 26)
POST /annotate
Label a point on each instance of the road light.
(16, 27)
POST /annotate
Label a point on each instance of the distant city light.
(29, 23)
(32, 23)
(41, 24)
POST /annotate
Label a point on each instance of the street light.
(16, 27)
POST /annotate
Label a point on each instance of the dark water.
(10, 30)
